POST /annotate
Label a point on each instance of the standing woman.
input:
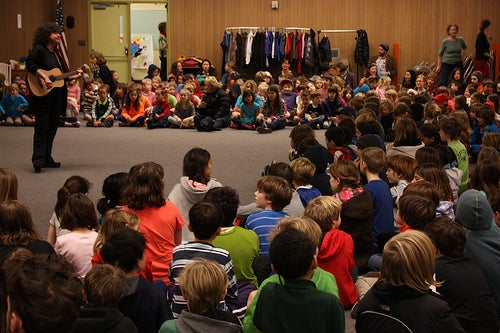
(48, 108)
(162, 47)
(483, 50)
(450, 55)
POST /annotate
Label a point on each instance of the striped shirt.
(262, 223)
(183, 254)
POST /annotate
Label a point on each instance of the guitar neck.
(63, 76)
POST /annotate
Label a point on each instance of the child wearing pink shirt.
(76, 247)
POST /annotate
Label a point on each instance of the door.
(110, 35)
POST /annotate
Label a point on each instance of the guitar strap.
(61, 67)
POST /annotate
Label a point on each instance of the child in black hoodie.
(104, 286)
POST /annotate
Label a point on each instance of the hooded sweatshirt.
(455, 177)
(421, 312)
(357, 216)
(336, 256)
(151, 69)
(194, 323)
(184, 196)
(483, 242)
(105, 320)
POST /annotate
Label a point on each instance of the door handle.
(126, 50)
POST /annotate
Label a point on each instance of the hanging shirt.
(248, 53)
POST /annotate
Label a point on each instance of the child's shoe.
(264, 130)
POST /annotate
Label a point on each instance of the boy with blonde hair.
(336, 251)
(204, 285)
(303, 172)
(147, 91)
(273, 194)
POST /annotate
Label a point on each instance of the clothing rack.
(286, 29)
(242, 28)
(336, 31)
(295, 28)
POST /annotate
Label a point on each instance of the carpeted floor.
(238, 158)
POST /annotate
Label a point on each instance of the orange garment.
(132, 113)
(404, 227)
(159, 225)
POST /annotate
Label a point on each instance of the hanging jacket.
(325, 50)
(309, 49)
(362, 50)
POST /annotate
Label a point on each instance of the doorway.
(126, 33)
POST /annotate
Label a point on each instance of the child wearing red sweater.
(336, 252)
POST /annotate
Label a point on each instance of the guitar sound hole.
(52, 78)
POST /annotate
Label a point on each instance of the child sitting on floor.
(158, 117)
(323, 280)
(203, 284)
(76, 247)
(183, 116)
(102, 109)
(12, 105)
(303, 172)
(273, 194)
(143, 302)
(296, 305)
(335, 142)
(337, 247)
(205, 220)
(103, 288)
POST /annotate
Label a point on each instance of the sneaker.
(197, 124)
(234, 125)
(210, 126)
(108, 124)
(121, 124)
(249, 127)
(75, 124)
(264, 130)
(89, 124)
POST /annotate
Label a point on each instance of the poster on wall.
(141, 50)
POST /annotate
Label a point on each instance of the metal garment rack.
(286, 29)
(333, 31)
(338, 31)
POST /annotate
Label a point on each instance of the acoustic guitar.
(38, 87)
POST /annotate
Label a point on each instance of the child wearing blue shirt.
(12, 106)
(303, 172)
(373, 162)
(273, 194)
